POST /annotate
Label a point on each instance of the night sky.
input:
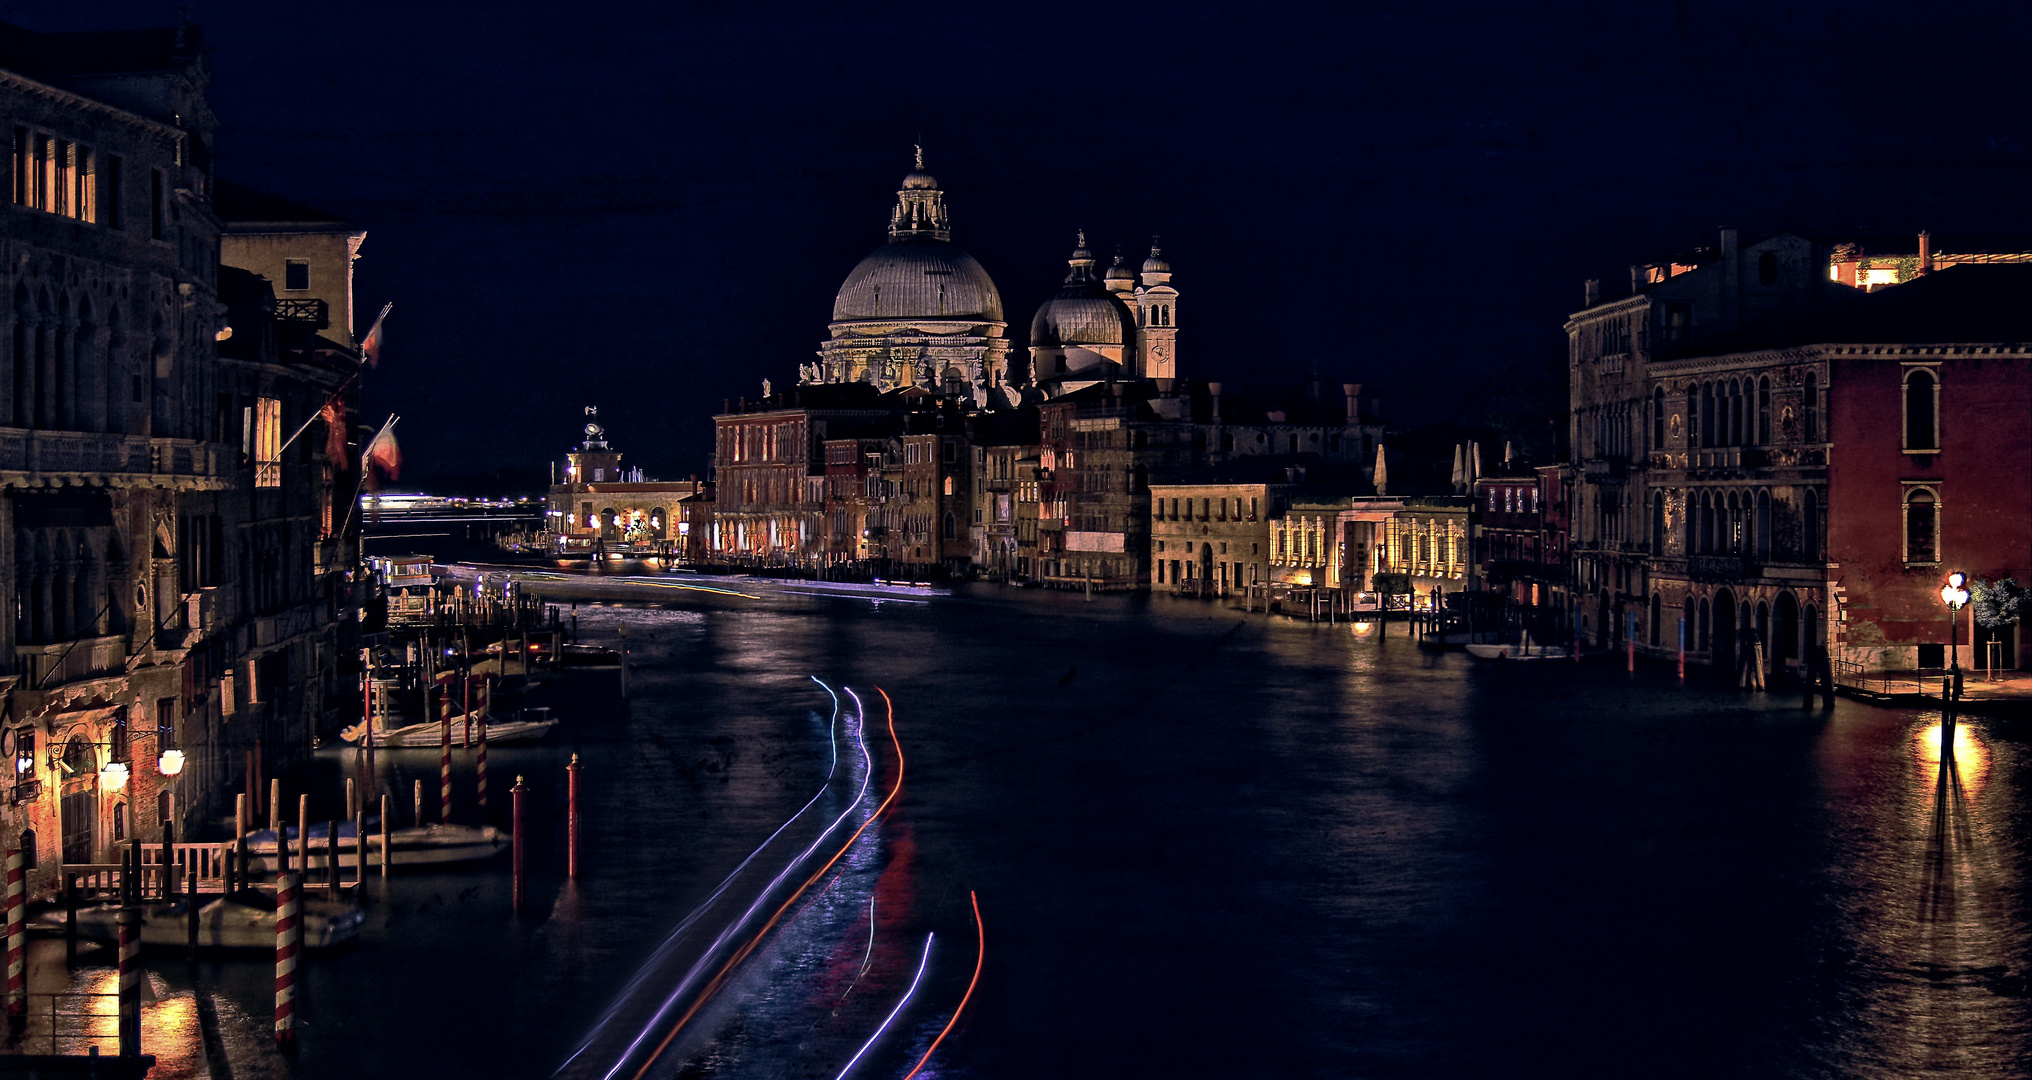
(650, 207)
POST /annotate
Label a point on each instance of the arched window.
(1811, 408)
(1690, 516)
(949, 529)
(1658, 419)
(1707, 523)
(1702, 638)
(1761, 529)
(1733, 544)
(1767, 269)
(1657, 525)
(1922, 410)
(1737, 415)
(1764, 411)
(1809, 527)
(1657, 616)
(1710, 424)
(1922, 526)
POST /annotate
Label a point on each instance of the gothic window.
(1922, 411)
(1922, 526)
(1658, 524)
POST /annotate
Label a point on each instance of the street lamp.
(1955, 595)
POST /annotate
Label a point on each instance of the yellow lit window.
(267, 442)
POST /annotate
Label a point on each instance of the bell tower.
(1157, 318)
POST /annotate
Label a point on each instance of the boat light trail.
(670, 942)
(980, 953)
(735, 960)
(855, 1060)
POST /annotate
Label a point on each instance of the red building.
(1930, 465)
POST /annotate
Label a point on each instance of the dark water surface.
(1203, 845)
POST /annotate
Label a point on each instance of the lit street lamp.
(1955, 595)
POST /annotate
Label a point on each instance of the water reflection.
(1937, 925)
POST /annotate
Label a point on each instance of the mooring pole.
(17, 938)
(129, 923)
(419, 804)
(387, 849)
(571, 819)
(518, 791)
(444, 774)
(332, 859)
(275, 808)
(286, 936)
(480, 768)
(1682, 650)
(303, 834)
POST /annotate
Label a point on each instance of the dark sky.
(650, 207)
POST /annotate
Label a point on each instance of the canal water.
(1202, 844)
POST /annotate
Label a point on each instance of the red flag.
(334, 416)
(370, 346)
(383, 455)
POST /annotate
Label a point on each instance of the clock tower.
(1157, 318)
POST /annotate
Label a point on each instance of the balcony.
(47, 667)
(1720, 567)
(315, 314)
(36, 458)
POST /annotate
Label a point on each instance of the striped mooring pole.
(480, 767)
(444, 774)
(17, 938)
(287, 933)
(129, 923)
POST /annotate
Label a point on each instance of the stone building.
(770, 468)
(174, 562)
(918, 311)
(1211, 533)
(1619, 414)
(602, 508)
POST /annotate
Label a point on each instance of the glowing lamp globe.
(170, 763)
(114, 776)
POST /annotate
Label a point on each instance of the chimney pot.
(1593, 291)
(1354, 392)
(1925, 252)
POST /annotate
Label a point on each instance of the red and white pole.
(480, 766)
(287, 934)
(444, 773)
(129, 923)
(1630, 640)
(517, 792)
(17, 938)
(571, 819)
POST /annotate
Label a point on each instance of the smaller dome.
(1120, 271)
(1155, 264)
(919, 180)
(1077, 317)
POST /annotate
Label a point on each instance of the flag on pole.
(334, 416)
(382, 455)
(370, 346)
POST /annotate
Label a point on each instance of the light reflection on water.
(1213, 845)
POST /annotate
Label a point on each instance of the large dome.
(918, 279)
(1081, 315)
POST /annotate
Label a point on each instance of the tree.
(1998, 604)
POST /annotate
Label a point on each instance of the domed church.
(1097, 328)
(918, 312)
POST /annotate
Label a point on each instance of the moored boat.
(429, 845)
(1520, 650)
(241, 921)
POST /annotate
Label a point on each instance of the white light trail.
(892, 1013)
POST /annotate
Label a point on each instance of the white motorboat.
(535, 724)
(1523, 650)
(430, 845)
(242, 921)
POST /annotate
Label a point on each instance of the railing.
(188, 457)
(315, 312)
(207, 860)
(1719, 566)
(48, 666)
(73, 1031)
(72, 452)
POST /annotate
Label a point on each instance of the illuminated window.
(63, 177)
(948, 483)
(267, 442)
(296, 274)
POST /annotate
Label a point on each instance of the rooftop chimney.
(1214, 388)
(1594, 291)
(1354, 392)
(1925, 252)
(1636, 278)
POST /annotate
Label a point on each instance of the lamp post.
(1955, 595)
